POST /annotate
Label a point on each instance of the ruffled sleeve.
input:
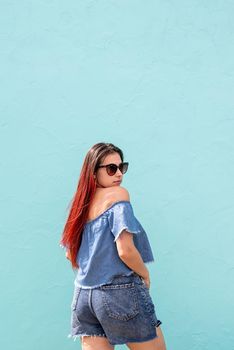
(121, 217)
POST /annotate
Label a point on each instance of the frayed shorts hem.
(75, 336)
(132, 340)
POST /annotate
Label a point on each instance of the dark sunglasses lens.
(111, 169)
(123, 167)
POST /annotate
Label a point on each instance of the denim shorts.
(122, 311)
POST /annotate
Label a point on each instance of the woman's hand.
(146, 280)
(68, 256)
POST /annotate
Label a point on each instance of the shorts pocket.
(75, 298)
(120, 300)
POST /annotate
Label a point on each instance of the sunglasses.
(112, 168)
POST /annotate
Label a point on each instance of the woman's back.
(98, 257)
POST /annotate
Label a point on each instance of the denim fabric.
(97, 257)
(122, 311)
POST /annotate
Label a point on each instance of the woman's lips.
(117, 181)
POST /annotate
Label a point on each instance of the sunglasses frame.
(117, 167)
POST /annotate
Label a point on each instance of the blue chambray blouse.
(98, 257)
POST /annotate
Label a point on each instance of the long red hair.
(78, 214)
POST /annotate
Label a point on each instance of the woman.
(109, 247)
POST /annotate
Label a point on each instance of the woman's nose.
(119, 172)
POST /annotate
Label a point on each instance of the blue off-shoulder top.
(98, 257)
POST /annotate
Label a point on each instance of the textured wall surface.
(155, 78)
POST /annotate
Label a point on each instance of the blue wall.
(156, 79)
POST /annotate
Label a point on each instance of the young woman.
(109, 248)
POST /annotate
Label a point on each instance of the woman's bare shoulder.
(116, 194)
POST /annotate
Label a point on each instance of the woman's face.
(105, 180)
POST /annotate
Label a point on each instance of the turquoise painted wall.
(157, 79)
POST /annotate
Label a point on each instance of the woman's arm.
(129, 254)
